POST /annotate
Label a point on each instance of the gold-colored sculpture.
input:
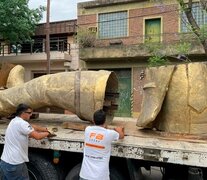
(175, 99)
(81, 92)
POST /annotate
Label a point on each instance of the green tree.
(182, 48)
(17, 21)
(200, 32)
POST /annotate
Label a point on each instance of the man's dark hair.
(22, 108)
(99, 117)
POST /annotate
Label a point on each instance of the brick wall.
(168, 13)
(170, 28)
(86, 20)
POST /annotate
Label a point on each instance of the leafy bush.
(157, 61)
(86, 38)
(203, 32)
(183, 48)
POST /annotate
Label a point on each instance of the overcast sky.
(59, 9)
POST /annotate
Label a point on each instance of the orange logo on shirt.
(94, 146)
(96, 136)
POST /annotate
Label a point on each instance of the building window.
(199, 14)
(112, 25)
(58, 44)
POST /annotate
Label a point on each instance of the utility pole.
(48, 42)
(48, 37)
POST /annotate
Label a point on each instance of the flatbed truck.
(179, 156)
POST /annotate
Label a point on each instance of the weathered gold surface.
(81, 94)
(184, 109)
(16, 76)
(157, 80)
(174, 115)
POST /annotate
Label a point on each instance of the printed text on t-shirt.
(95, 138)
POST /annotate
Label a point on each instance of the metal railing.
(34, 47)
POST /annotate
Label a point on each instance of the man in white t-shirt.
(97, 148)
(15, 152)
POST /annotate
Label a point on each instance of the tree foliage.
(182, 48)
(17, 21)
(200, 32)
(86, 38)
(157, 60)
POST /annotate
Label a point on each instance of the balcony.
(141, 48)
(35, 52)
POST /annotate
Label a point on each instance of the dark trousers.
(82, 178)
(14, 172)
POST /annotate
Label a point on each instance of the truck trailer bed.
(142, 144)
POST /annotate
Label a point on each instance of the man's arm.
(120, 130)
(39, 128)
(38, 135)
(39, 132)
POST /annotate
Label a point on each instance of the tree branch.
(204, 4)
(187, 8)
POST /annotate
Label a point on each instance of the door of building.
(124, 88)
(153, 30)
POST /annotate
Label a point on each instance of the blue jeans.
(14, 172)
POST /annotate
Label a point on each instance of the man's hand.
(51, 132)
(51, 135)
(42, 132)
(120, 130)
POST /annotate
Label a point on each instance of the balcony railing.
(34, 47)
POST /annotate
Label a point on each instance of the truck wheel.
(41, 169)
(74, 173)
(115, 174)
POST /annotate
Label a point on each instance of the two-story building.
(123, 29)
(32, 55)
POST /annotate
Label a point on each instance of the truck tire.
(74, 173)
(41, 169)
(115, 174)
